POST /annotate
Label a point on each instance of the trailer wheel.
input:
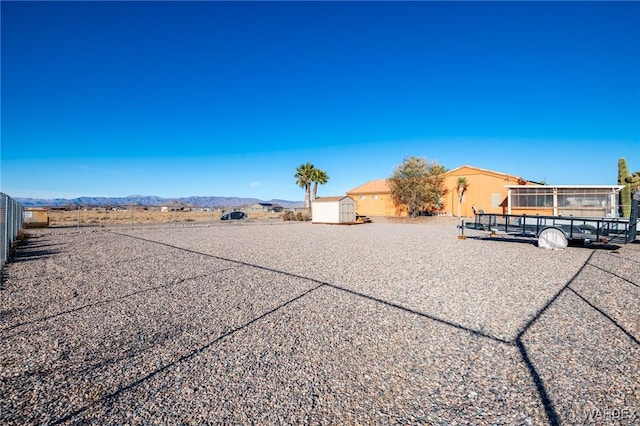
(552, 238)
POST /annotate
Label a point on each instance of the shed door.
(347, 212)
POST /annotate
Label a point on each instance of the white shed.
(340, 209)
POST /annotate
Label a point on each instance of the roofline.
(333, 198)
(618, 187)
(351, 191)
(493, 172)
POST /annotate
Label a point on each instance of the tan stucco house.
(374, 199)
(487, 191)
(496, 192)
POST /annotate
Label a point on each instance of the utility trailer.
(560, 231)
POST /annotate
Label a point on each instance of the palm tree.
(463, 184)
(318, 177)
(304, 176)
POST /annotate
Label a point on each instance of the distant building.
(34, 217)
(174, 208)
(264, 207)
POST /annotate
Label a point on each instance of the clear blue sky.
(228, 98)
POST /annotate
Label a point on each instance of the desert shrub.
(288, 215)
(299, 216)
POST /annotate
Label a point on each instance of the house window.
(585, 198)
(362, 197)
(532, 198)
(375, 197)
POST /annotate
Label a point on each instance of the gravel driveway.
(296, 323)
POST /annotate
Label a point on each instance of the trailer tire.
(552, 238)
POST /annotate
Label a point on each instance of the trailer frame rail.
(562, 229)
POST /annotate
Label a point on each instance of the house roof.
(378, 186)
(331, 199)
(613, 187)
(479, 170)
(381, 186)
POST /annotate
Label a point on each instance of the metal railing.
(11, 219)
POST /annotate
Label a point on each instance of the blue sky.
(228, 98)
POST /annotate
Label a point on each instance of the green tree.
(304, 176)
(417, 184)
(625, 193)
(463, 184)
(318, 177)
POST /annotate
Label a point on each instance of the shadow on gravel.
(522, 240)
(617, 253)
(616, 275)
(106, 301)
(534, 242)
(31, 248)
(607, 247)
(547, 402)
(27, 249)
(604, 314)
(518, 342)
(105, 399)
(549, 408)
(334, 286)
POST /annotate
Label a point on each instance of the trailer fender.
(552, 238)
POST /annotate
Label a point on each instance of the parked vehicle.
(234, 216)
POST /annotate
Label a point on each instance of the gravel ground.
(316, 324)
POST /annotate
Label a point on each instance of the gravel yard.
(317, 324)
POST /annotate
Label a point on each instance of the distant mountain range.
(150, 200)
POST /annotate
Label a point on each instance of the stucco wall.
(486, 191)
(379, 204)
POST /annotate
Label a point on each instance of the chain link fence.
(11, 219)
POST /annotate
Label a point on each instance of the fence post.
(5, 228)
(11, 221)
(633, 217)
